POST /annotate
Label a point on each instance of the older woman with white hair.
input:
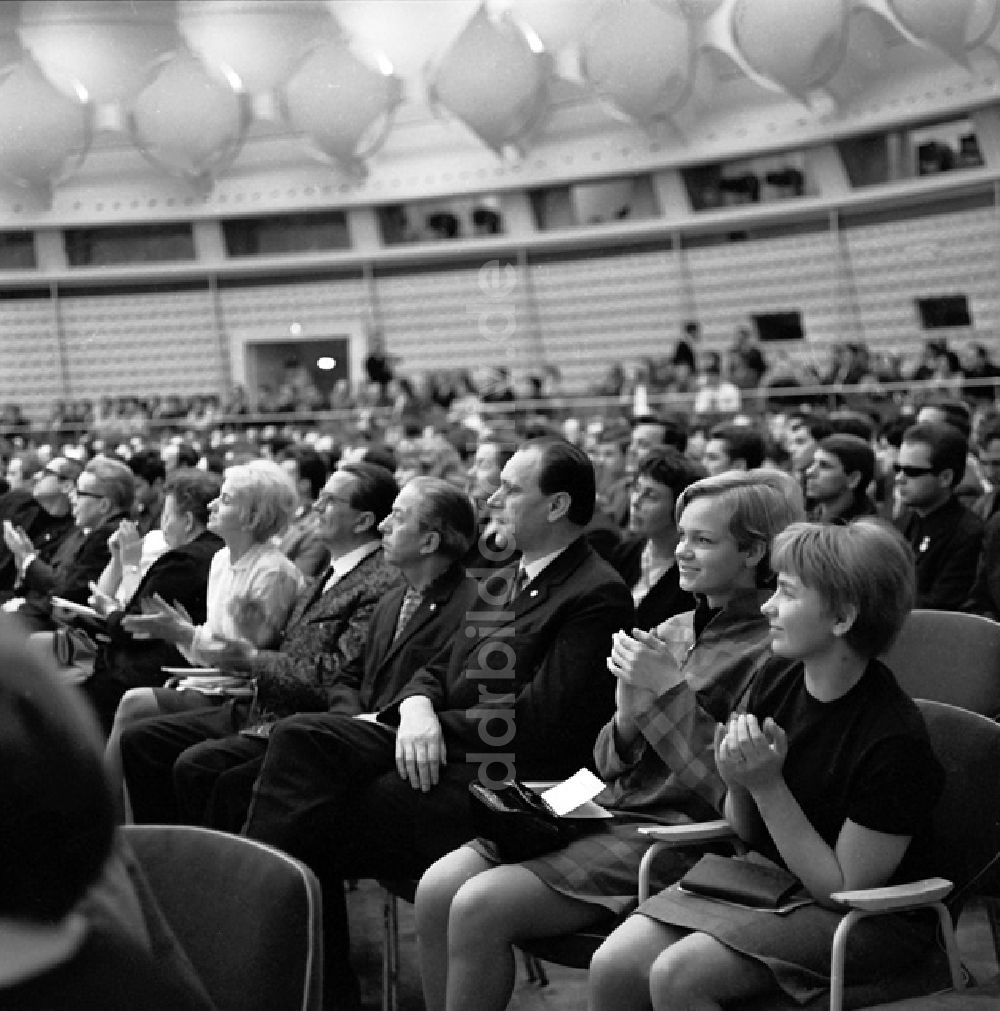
(252, 587)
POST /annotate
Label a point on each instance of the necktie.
(411, 601)
(517, 584)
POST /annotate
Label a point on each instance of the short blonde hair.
(265, 495)
(865, 565)
(763, 502)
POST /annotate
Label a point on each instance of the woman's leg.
(136, 704)
(620, 969)
(437, 888)
(700, 973)
(492, 912)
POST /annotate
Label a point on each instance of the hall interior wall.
(852, 262)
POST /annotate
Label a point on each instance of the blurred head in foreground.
(56, 811)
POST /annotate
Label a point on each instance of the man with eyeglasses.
(43, 513)
(100, 500)
(946, 537)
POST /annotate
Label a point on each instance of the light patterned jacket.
(670, 768)
(325, 632)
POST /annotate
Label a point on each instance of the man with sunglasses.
(100, 499)
(44, 514)
(946, 537)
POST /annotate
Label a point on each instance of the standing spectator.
(378, 365)
(946, 536)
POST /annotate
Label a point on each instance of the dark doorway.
(321, 362)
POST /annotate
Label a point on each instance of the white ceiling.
(109, 46)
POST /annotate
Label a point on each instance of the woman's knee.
(673, 979)
(441, 881)
(136, 704)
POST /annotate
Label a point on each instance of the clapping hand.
(230, 655)
(159, 620)
(17, 541)
(100, 601)
(643, 660)
(748, 753)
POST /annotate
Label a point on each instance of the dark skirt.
(796, 946)
(602, 867)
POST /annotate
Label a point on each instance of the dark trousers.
(151, 749)
(329, 794)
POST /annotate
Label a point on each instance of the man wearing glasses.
(100, 500)
(44, 514)
(946, 537)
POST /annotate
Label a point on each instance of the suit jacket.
(947, 543)
(527, 683)
(181, 575)
(325, 632)
(79, 559)
(985, 596)
(665, 597)
(373, 681)
(46, 531)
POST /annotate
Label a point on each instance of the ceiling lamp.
(558, 23)
(982, 22)
(47, 132)
(699, 10)
(341, 102)
(943, 26)
(261, 41)
(639, 58)
(494, 78)
(865, 58)
(107, 48)
(781, 47)
(190, 121)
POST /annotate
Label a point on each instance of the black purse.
(520, 823)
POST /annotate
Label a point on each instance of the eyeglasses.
(325, 500)
(987, 461)
(83, 493)
(911, 471)
(54, 472)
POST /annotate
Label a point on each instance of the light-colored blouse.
(250, 599)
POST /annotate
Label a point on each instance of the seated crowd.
(371, 624)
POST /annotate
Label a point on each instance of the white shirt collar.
(533, 569)
(343, 564)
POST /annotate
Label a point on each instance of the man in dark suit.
(44, 514)
(327, 630)
(646, 559)
(522, 690)
(101, 499)
(945, 536)
(179, 576)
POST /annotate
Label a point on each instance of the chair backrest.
(966, 820)
(248, 916)
(949, 657)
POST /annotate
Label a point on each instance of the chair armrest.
(662, 837)
(911, 895)
(686, 835)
